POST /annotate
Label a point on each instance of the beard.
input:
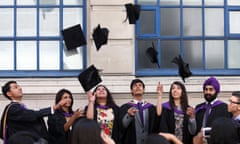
(209, 98)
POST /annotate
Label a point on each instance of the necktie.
(140, 111)
(207, 112)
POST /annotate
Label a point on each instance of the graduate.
(102, 108)
(212, 108)
(138, 118)
(176, 114)
(16, 117)
(234, 106)
(61, 122)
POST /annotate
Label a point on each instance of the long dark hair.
(110, 101)
(86, 131)
(59, 95)
(183, 98)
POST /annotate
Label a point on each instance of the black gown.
(57, 135)
(20, 118)
(128, 135)
(219, 109)
(167, 124)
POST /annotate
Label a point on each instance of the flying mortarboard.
(74, 37)
(153, 55)
(133, 12)
(89, 78)
(183, 68)
(100, 36)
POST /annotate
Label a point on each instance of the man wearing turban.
(212, 108)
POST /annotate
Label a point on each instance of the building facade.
(205, 33)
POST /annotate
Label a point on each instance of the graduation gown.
(167, 124)
(128, 135)
(21, 119)
(57, 135)
(218, 109)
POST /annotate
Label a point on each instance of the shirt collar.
(17, 101)
(136, 101)
(237, 117)
(212, 101)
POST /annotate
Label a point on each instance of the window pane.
(48, 2)
(214, 22)
(214, 2)
(147, 20)
(192, 21)
(6, 55)
(192, 2)
(26, 2)
(169, 49)
(234, 22)
(41, 2)
(214, 53)
(6, 2)
(147, 2)
(72, 2)
(26, 22)
(233, 2)
(170, 21)
(143, 59)
(72, 16)
(193, 53)
(26, 55)
(6, 26)
(49, 22)
(49, 55)
(73, 59)
(233, 54)
(169, 2)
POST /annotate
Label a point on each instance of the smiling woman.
(60, 123)
(102, 108)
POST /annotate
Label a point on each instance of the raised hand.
(78, 113)
(132, 111)
(190, 112)
(60, 104)
(91, 97)
(159, 88)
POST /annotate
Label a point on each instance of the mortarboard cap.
(133, 12)
(73, 37)
(100, 36)
(183, 68)
(152, 54)
(89, 78)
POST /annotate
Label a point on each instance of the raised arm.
(159, 99)
(90, 109)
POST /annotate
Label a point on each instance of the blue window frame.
(205, 33)
(30, 38)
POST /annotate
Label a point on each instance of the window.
(205, 33)
(30, 37)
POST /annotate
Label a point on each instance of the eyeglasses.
(233, 102)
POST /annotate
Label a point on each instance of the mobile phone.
(206, 132)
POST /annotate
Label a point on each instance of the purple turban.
(213, 82)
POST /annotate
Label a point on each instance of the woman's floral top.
(105, 118)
